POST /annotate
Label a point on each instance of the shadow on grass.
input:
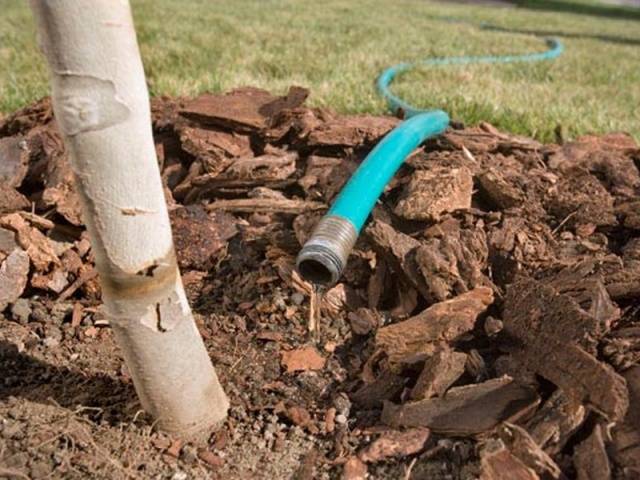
(596, 10)
(557, 33)
(27, 377)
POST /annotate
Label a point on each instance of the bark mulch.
(487, 325)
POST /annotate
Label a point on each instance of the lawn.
(337, 48)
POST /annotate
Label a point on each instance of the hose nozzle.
(324, 256)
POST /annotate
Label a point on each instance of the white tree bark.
(101, 104)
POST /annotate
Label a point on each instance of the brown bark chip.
(431, 193)
(244, 109)
(590, 458)
(302, 359)
(467, 410)
(418, 337)
(440, 371)
(551, 333)
(626, 434)
(395, 444)
(14, 158)
(351, 131)
(12, 200)
(498, 463)
(200, 236)
(556, 421)
(523, 446)
(14, 273)
(354, 469)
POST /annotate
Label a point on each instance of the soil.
(487, 325)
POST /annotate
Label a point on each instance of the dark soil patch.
(486, 325)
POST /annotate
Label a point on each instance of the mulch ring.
(486, 326)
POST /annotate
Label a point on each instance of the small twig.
(409, 468)
(566, 219)
(81, 280)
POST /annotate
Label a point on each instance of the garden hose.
(324, 256)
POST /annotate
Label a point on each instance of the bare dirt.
(487, 325)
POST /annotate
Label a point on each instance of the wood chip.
(11, 200)
(266, 205)
(436, 191)
(550, 342)
(395, 444)
(417, 338)
(14, 273)
(440, 371)
(14, 158)
(498, 463)
(354, 469)
(351, 131)
(467, 410)
(244, 109)
(626, 434)
(200, 236)
(303, 359)
(38, 247)
(590, 458)
(522, 445)
(556, 421)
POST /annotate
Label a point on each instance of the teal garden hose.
(324, 256)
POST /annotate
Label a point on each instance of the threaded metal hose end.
(324, 256)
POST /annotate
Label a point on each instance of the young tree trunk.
(101, 104)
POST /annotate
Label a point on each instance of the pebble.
(21, 310)
(341, 419)
(297, 298)
(179, 475)
(189, 454)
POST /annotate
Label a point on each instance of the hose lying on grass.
(324, 256)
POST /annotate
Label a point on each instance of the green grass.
(337, 48)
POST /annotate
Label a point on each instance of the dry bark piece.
(214, 148)
(324, 177)
(395, 444)
(363, 321)
(467, 410)
(418, 337)
(580, 198)
(11, 200)
(354, 469)
(250, 172)
(556, 421)
(520, 443)
(244, 109)
(590, 458)
(14, 159)
(399, 251)
(626, 434)
(386, 387)
(498, 463)
(430, 193)
(351, 131)
(303, 359)
(200, 236)
(452, 259)
(440, 371)
(499, 190)
(546, 331)
(608, 156)
(39, 248)
(14, 273)
(266, 205)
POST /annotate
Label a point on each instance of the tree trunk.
(101, 104)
